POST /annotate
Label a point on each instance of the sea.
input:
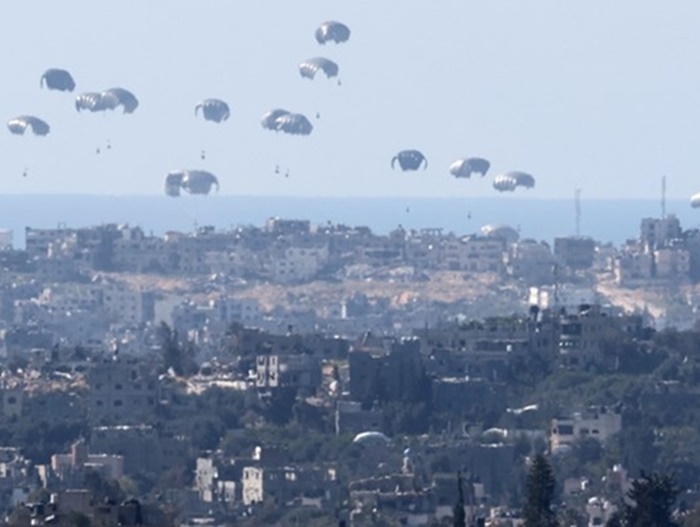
(541, 219)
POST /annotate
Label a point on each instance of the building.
(656, 233)
(291, 371)
(352, 419)
(532, 261)
(121, 392)
(71, 467)
(599, 423)
(575, 252)
(392, 372)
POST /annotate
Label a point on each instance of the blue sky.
(599, 95)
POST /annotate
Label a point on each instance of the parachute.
(173, 184)
(191, 181)
(269, 120)
(332, 31)
(465, 167)
(409, 160)
(287, 122)
(509, 181)
(214, 110)
(19, 125)
(503, 232)
(371, 438)
(107, 100)
(695, 200)
(309, 68)
(56, 79)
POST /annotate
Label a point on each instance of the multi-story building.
(599, 423)
(575, 252)
(656, 233)
(532, 261)
(298, 263)
(301, 372)
(121, 392)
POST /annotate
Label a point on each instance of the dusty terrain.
(439, 286)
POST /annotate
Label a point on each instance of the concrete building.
(656, 233)
(352, 419)
(575, 252)
(292, 371)
(531, 261)
(127, 306)
(632, 266)
(393, 371)
(6, 239)
(144, 449)
(672, 263)
(299, 263)
(71, 467)
(599, 423)
(121, 392)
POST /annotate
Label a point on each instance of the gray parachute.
(332, 31)
(57, 79)
(191, 181)
(465, 167)
(409, 160)
(214, 110)
(500, 231)
(107, 100)
(309, 68)
(269, 119)
(19, 125)
(695, 200)
(509, 181)
(283, 121)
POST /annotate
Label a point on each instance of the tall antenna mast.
(663, 197)
(577, 198)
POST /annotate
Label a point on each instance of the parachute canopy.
(287, 122)
(269, 120)
(465, 167)
(695, 200)
(214, 110)
(309, 68)
(503, 232)
(409, 160)
(371, 438)
(107, 100)
(56, 79)
(332, 31)
(509, 181)
(19, 125)
(191, 181)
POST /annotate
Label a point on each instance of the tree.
(540, 486)
(458, 514)
(78, 519)
(176, 355)
(653, 497)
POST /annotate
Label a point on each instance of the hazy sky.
(602, 95)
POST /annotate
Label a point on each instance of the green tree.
(78, 519)
(176, 354)
(458, 514)
(653, 497)
(540, 486)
